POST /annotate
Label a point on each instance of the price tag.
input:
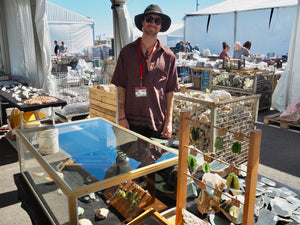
(234, 169)
(207, 158)
(193, 151)
(235, 202)
(217, 193)
(195, 123)
(239, 136)
(222, 131)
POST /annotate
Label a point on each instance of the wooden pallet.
(275, 120)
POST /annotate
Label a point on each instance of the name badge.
(140, 91)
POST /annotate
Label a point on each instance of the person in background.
(181, 47)
(196, 47)
(239, 51)
(224, 53)
(63, 48)
(188, 47)
(146, 77)
(56, 48)
(177, 46)
(247, 45)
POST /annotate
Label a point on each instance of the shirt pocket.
(159, 78)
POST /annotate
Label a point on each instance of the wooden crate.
(103, 103)
(197, 82)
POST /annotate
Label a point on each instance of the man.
(146, 77)
(196, 47)
(239, 51)
(63, 48)
(56, 48)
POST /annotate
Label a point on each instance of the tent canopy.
(74, 29)
(266, 23)
(230, 6)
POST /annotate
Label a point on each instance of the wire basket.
(237, 115)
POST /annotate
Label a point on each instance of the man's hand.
(167, 131)
(124, 123)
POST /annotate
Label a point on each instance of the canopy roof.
(243, 5)
(57, 14)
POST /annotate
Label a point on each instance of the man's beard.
(151, 31)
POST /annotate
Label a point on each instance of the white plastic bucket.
(48, 141)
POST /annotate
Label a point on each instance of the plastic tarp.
(267, 23)
(123, 28)
(287, 89)
(74, 29)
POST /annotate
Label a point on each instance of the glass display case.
(65, 163)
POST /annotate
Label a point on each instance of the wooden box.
(197, 82)
(103, 102)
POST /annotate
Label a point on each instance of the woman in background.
(247, 45)
(224, 53)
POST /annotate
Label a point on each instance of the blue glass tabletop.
(106, 150)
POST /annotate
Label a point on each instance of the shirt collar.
(159, 46)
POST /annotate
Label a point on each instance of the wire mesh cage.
(236, 117)
(73, 88)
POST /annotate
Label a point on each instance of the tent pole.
(235, 20)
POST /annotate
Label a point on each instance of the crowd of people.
(240, 51)
(60, 49)
(185, 47)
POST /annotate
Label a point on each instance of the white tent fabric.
(4, 52)
(75, 30)
(43, 45)
(267, 23)
(244, 5)
(287, 89)
(23, 40)
(169, 38)
(172, 36)
(123, 28)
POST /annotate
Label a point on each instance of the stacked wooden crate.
(103, 102)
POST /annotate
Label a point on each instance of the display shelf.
(93, 155)
(245, 82)
(252, 172)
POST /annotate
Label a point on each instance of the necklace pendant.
(146, 54)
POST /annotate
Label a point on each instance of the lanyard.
(142, 66)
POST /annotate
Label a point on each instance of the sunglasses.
(157, 21)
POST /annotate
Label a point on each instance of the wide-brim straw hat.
(153, 9)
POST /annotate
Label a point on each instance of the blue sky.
(100, 10)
